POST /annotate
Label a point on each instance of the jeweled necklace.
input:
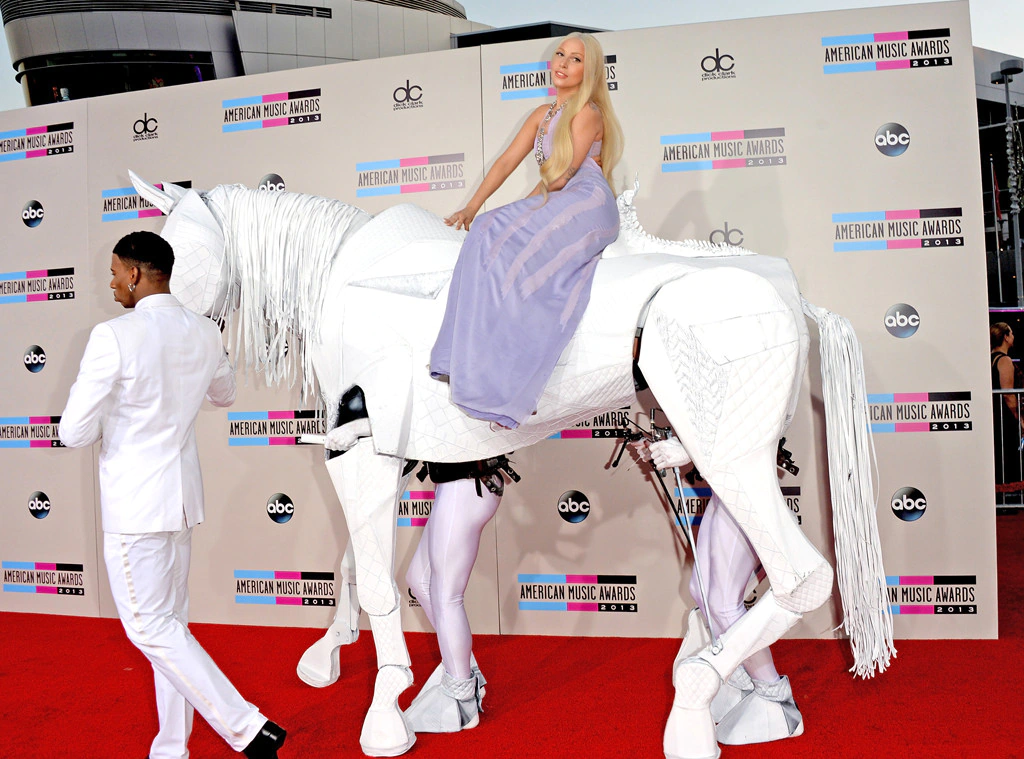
(539, 147)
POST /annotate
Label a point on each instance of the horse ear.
(177, 192)
(162, 200)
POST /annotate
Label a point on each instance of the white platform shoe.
(446, 704)
(766, 713)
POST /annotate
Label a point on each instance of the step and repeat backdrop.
(845, 142)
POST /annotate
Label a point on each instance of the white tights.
(727, 560)
(440, 569)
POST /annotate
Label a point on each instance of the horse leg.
(369, 487)
(320, 665)
(720, 354)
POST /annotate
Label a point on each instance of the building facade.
(70, 49)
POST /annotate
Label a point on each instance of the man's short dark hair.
(148, 251)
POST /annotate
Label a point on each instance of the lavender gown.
(519, 290)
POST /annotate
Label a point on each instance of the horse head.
(200, 277)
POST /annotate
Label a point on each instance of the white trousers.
(149, 579)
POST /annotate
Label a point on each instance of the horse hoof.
(320, 665)
(690, 730)
(385, 731)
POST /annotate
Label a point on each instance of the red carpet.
(73, 687)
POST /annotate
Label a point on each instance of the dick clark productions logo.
(573, 506)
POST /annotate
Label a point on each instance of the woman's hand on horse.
(461, 219)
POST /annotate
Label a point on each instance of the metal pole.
(1007, 70)
(995, 215)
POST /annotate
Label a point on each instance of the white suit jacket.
(142, 380)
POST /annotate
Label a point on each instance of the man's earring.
(131, 287)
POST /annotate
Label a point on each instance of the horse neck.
(279, 251)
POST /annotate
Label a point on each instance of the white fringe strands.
(851, 454)
(278, 254)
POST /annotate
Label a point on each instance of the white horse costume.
(723, 348)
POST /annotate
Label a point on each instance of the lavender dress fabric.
(519, 290)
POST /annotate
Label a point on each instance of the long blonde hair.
(593, 89)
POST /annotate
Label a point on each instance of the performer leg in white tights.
(438, 576)
(756, 705)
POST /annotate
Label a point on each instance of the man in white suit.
(142, 380)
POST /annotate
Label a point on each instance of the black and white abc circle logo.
(35, 359)
(727, 236)
(39, 505)
(909, 504)
(271, 183)
(280, 508)
(902, 320)
(407, 93)
(32, 213)
(146, 125)
(892, 139)
(573, 506)
(718, 62)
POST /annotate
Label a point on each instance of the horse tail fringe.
(867, 615)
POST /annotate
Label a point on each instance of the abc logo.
(39, 505)
(280, 508)
(902, 320)
(727, 236)
(35, 358)
(892, 139)
(272, 183)
(716, 62)
(408, 94)
(573, 506)
(909, 504)
(32, 213)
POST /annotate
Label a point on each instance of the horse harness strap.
(487, 472)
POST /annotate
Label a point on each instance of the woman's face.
(567, 66)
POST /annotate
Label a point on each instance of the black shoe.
(268, 740)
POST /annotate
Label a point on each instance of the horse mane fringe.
(278, 251)
(867, 616)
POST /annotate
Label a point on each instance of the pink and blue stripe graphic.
(899, 398)
(42, 566)
(895, 581)
(19, 134)
(284, 600)
(402, 163)
(274, 97)
(556, 579)
(126, 192)
(881, 216)
(29, 421)
(266, 416)
(12, 276)
(870, 39)
(712, 137)
(415, 495)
